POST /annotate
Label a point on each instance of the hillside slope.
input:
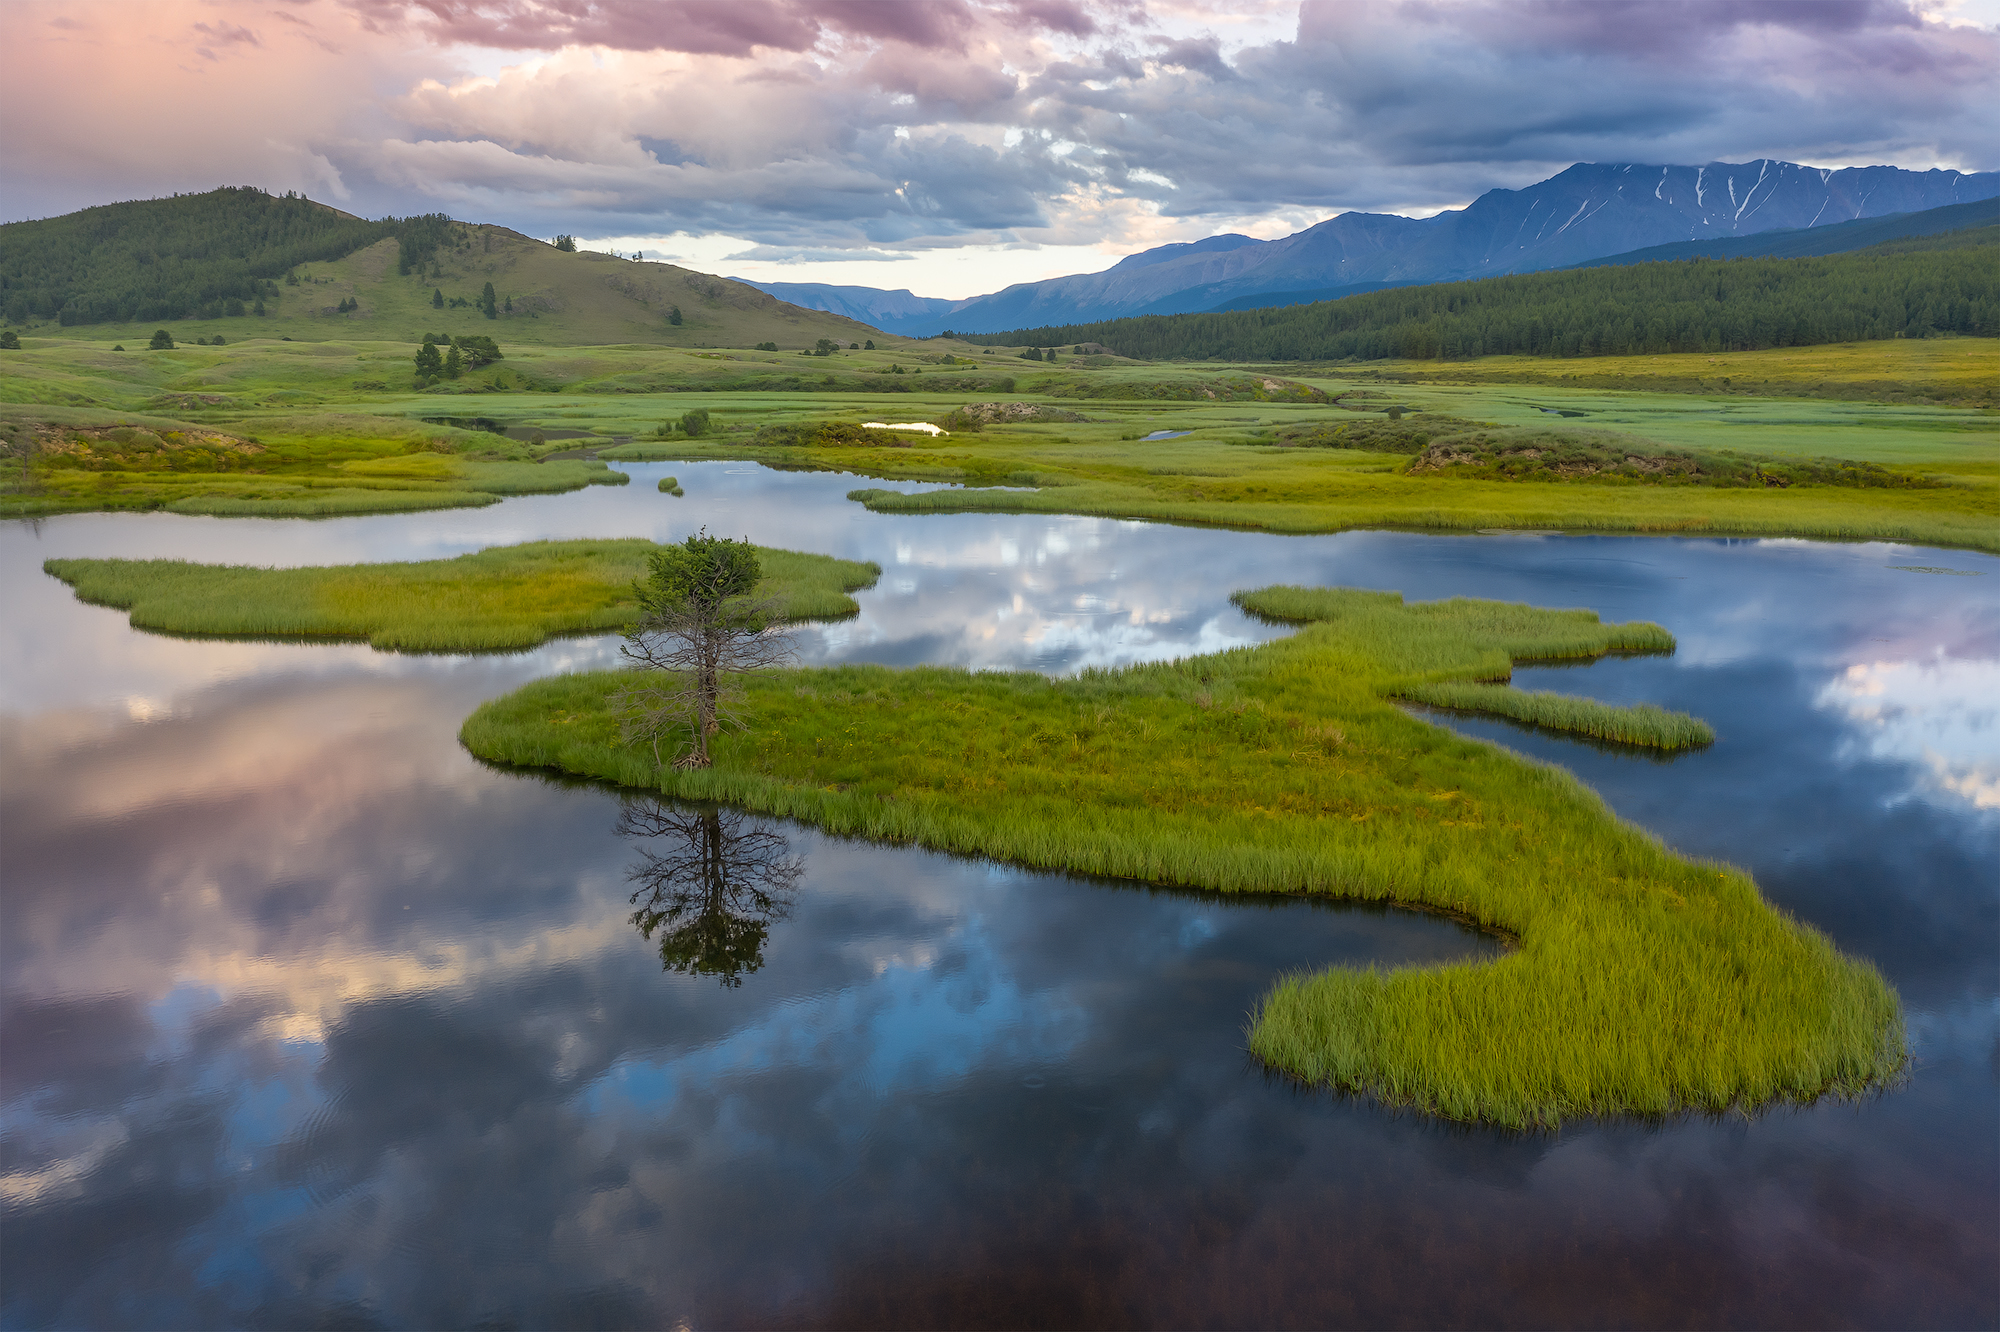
(1839, 238)
(542, 295)
(1917, 287)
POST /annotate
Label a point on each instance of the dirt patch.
(1009, 413)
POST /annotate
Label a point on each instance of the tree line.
(190, 256)
(1695, 305)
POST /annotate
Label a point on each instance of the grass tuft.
(1642, 724)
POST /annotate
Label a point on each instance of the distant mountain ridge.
(1589, 211)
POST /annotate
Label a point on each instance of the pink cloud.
(227, 34)
(712, 27)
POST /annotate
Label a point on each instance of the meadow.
(1643, 982)
(66, 460)
(504, 598)
(338, 426)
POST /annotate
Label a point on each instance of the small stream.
(312, 1019)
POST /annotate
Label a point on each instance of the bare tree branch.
(698, 635)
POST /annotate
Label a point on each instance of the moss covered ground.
(501, 599)
(1643, 982)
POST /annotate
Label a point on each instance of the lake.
(311, 1019)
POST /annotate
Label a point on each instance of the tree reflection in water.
(711, 887)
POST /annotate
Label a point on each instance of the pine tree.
(487, 302)
(429, 363)
(454, 364)
(437, 298)
(162, 341)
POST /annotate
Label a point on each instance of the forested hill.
(190, 256)
(1906, 288)
(240, 263)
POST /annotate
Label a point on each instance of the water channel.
(311, 1019)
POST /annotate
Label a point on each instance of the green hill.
(1913, 287)
(202, 265)
(1965, 220)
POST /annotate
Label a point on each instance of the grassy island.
(500, 599)
(1644, 983)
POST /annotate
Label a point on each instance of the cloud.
(227, 34)
(842, 126)
(776, 254)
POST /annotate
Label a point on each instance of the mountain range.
(1591, 211)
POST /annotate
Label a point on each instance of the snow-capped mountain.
(1589, 211)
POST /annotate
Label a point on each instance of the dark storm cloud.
(922, 124)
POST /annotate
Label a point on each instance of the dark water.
(311, 1019)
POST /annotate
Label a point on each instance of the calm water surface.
(311, 1019)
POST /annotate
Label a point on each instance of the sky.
(955, 146)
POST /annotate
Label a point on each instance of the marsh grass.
(1325, 490)
(1644, 983)
(321, 466)
(1557, 455)
(1640, 724)
(505, 598)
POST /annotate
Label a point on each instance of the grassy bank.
(1243, 481)
(1643, 724)
(1644, 982)
(74, 460)
(500, 599)
(1655, 728)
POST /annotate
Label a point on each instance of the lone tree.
(700, 629)
(486, 302)
(708, 886)
(477, 349)
(162, 341)
(429, 364)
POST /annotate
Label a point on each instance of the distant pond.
(311, 1019)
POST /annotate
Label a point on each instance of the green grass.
(504, 598)
(1644, 983)
(1267, 490)
(1568, 455)
(1642, 724)
(70, 460)
(1955, 371)
(319, 409)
